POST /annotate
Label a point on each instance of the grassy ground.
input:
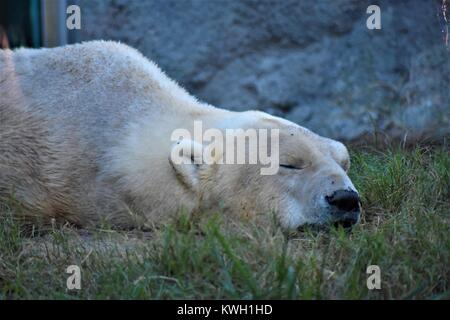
(405, 231)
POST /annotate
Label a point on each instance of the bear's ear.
(339, 153)
(186, 158)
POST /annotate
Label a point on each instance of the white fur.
(105, 114)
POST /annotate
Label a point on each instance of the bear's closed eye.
(288, 166)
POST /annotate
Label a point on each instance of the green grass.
(405, 231)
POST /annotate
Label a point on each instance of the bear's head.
(283, 168)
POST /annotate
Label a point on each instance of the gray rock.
(314, 62)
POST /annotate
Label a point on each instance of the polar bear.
(86, 136)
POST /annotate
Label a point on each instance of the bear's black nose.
(344, 200)
(344, 208)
